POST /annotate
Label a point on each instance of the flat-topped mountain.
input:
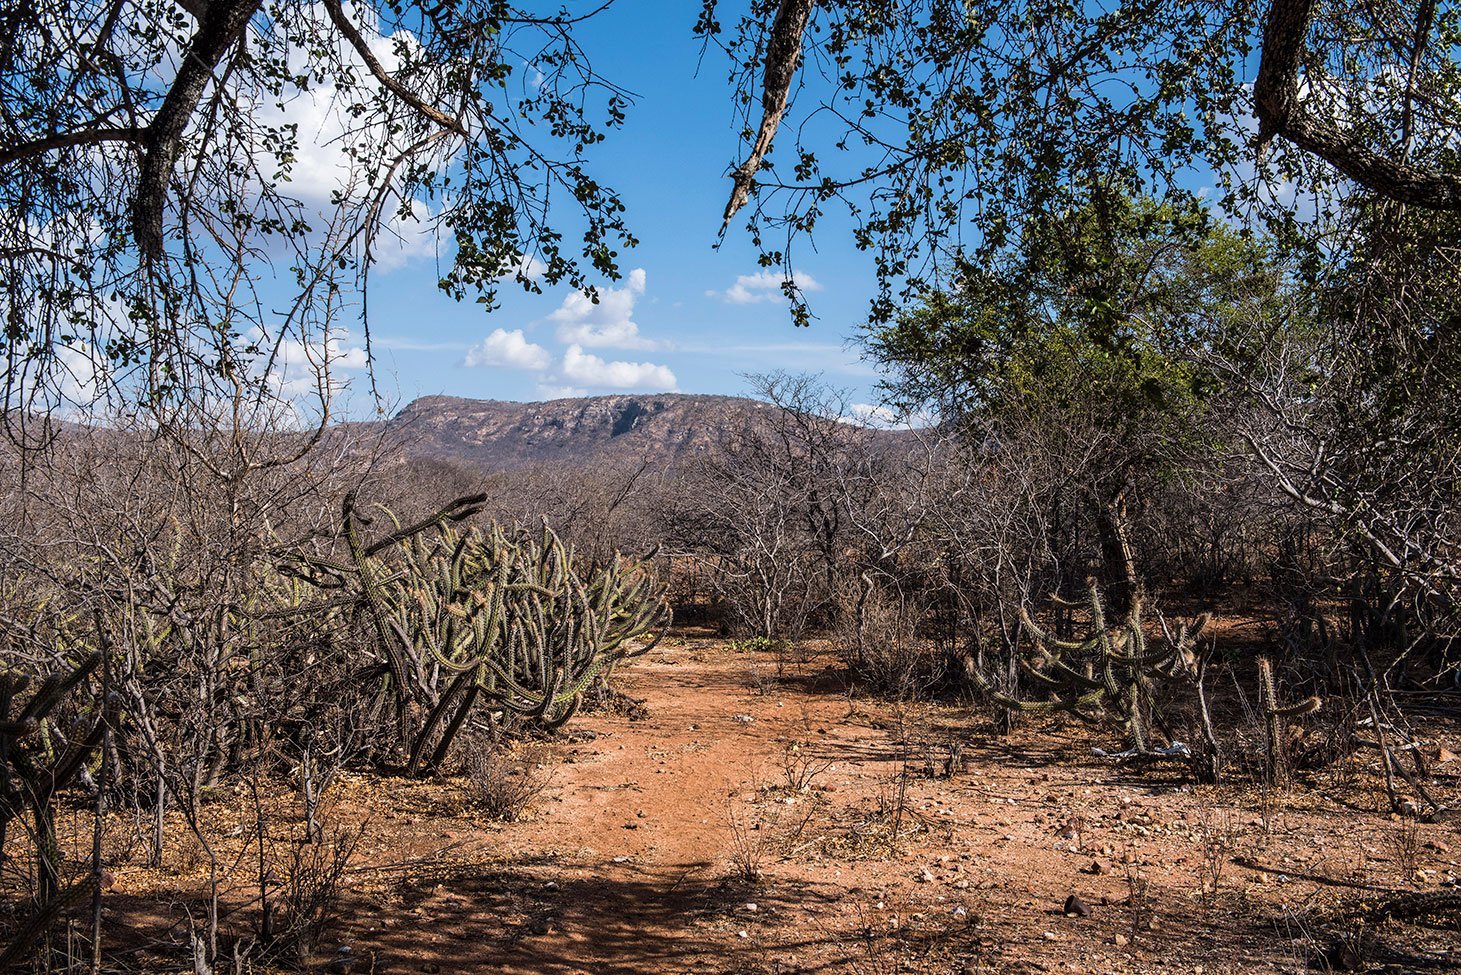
(496, 435)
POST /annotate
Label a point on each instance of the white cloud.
(589, 370)
(72, 381)
(530, 268)
(873, 415)
(550, 391)
(403, 240)
(751, 289)
(607, 324)
(309, 369)
(80, 375)
(881, 417)
(323, 169)
(511, 349)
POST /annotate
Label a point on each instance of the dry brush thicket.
(192, 615)
(1194, 611)
(196, 616)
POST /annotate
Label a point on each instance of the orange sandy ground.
(633, 860)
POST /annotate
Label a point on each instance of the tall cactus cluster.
(505, 619)
(1114, 669)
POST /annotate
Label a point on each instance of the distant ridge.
(496, 435)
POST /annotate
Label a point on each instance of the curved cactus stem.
(1051, 640)
(1068, 704)
(429, 725)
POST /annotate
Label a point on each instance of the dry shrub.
(880, 644)
(504, 780)
(308, 900)
(752, 840)
(800, 765)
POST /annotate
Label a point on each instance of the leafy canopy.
(193, 192)
(1099, 312)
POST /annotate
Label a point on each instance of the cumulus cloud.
(581, 325)
(584, 369)
(751, 289)
(607, 324)
(511, 349)
(323, 169)
(873, 415)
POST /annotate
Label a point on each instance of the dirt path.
(627, 866)
(633, 864)
(884, 863)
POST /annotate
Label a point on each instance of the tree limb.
(64, 140)
(222, 24)
(782, 53)
(343, 24)
(1281, 112)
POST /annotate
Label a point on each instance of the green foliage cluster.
(758, 644)
(1099, 313)
(941, 128)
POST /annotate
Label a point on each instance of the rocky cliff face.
(494, 435)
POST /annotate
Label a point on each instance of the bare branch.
(337, 16)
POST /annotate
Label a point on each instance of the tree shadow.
(620, 918)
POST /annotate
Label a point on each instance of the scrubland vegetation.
(208, 629)
(1132, 648)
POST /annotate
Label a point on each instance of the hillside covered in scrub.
(494, 436)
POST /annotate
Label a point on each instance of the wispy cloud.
(551, 391)
(398, 344)
(763, 286)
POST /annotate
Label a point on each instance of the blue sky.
(687, 316)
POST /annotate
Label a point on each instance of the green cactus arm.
(1072, 704)
(1066, 669)
(1052, 641)
(1038, 675)
(458, 684)
(53, 688)
(1065, 675)
(454, 727)
(560, 718)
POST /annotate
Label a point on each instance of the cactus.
(500, 617)
(1274, 716)
(1114, 667)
